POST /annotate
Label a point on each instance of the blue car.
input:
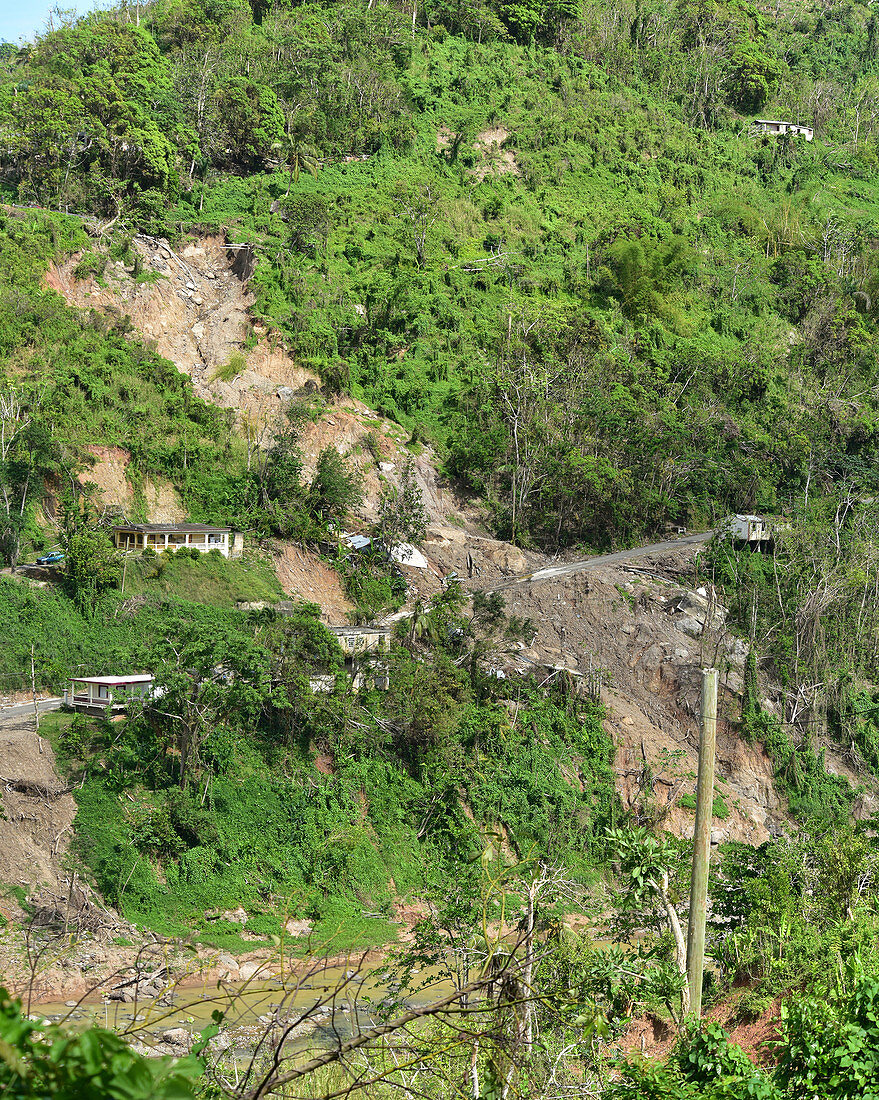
(51, 559)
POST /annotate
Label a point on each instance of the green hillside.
(547, 237)
(552, 240)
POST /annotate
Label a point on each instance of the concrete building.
(94, 694)
(777, 127)
(172, 536)
(365, 649)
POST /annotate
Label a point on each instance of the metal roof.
(137, 678)
(378, 629)
(162, 528)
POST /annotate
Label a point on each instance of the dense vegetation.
(223, 805)
(627, 310)
(547, 238)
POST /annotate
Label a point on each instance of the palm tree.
(298, 155)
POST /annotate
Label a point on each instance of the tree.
(27, 452)
(401, 514)
(335, 489)
(647, 861)
(421, 209)
(92, 565)
(308, 220)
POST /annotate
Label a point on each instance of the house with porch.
(94, 694)
(173, 536)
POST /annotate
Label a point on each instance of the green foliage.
(827, 1051)
(203, 578)
(401, 515)
(226, 807)
(234, 365)
(336, 487)
(791, 909)
(41, 1059)
(546, 275)
(92, 565)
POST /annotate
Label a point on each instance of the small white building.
(778, 126)
(94, 694)
(174, 536)
(754, 530)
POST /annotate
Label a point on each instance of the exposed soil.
(303, 574)
(195, 308)
(112, 489)
(38, 811)
(654, 1037)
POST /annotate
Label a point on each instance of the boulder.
(295, 927)
(688, 625)
(249, 970)
(177, 1037)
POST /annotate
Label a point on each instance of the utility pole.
(702, 841)
(34, 696)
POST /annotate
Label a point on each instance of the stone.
(249, 970)
(737, 650)
(285, 393)
(220, 1043)
(689, 625)
(236, 916)
(177, 1037)
(295, 927)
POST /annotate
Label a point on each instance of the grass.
(235, 365)
(208, 579)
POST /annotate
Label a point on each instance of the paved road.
(25, 710)
(594, 563)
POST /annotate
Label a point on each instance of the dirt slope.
(193, 303)
(38, 809)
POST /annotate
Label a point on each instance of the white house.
(94, 694)
(777, 126)
(173, 536)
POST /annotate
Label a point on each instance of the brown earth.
(621, 628)
(37, 807)
(654, 1037)
(195, 309)
(303, 574)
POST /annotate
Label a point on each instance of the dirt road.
(584, 564)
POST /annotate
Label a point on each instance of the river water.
(317, 1006)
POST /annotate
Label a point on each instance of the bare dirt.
(303, 574)
(654, 1037)
(194, 306)
(641, 633)
(638, 632)
(38, 811)
(108, 476)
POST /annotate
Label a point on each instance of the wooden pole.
(702, 841)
